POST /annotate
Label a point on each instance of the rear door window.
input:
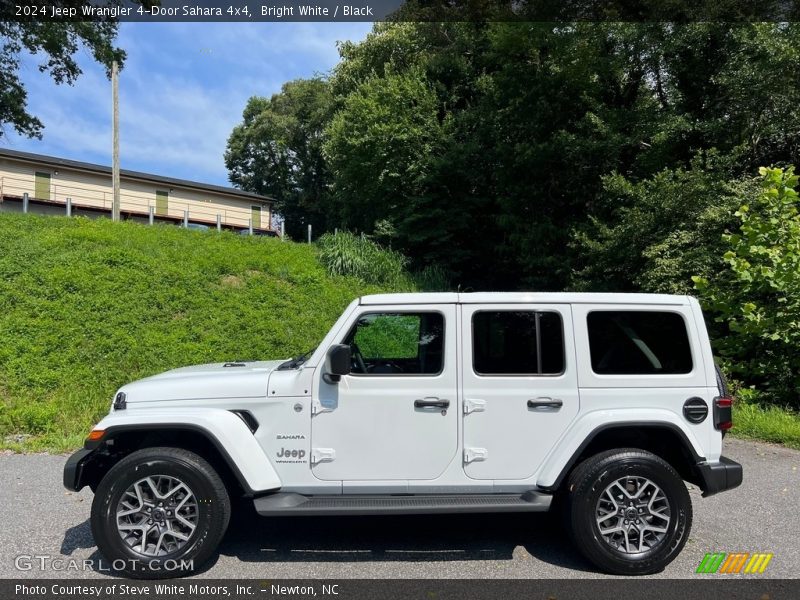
(517, 343)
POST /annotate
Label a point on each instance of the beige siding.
(93, 190)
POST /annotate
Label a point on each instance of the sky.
(182, 90)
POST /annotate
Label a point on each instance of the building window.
(42, 186)
(255, 216)
(397, 344)
(517, 343)
(162, 203)
(638, 343)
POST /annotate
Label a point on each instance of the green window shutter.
(42, 186)
(256, 216)
(162, 203)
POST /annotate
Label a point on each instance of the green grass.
(345, 253)
(88, 305)
(767, 423)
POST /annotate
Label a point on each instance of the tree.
(57, 43)
(758, 296)
(522, 155)
(277, 151)
(659, 232)
(379, 146)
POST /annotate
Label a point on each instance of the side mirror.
(338, 363)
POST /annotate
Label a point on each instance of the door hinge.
(320, 455)
(474, 405)
(475, 454)
(317, 407)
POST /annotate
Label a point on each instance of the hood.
(204, 382)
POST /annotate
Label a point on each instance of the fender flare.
(635, 424)
(223, 429)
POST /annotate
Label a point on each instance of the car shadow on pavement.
(399, 538)
(406, 538)
(77, 538)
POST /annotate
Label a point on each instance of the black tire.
(589, 481)
(212, 514)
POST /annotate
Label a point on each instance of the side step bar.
(288, 503)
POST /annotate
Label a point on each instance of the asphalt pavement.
(39, 518)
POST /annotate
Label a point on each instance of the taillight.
(723, 409)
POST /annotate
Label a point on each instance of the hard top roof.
(522, 298)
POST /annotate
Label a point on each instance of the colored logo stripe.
(711, 562)
(758, 563)
(721, 562)
(734, 562)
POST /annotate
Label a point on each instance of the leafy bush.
(351, 255)
(653, 235)
(89, 305)
(758, 296)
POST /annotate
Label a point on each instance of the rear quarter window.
(639, 343)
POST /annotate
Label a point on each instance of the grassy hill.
(88, 305)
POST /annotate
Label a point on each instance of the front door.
(395, 416)
(520, 386)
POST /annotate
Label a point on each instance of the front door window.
(397, 344)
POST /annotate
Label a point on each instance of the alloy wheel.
(157, 515)
(633, 515)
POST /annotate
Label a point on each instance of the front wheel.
(159, 512)
(628, 511)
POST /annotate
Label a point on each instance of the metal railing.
(74, 196)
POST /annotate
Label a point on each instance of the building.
(62, 186)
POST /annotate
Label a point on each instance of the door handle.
(545, 402)
(431, 402)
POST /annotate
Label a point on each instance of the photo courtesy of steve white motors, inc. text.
(194, 590)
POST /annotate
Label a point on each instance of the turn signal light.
(95, 435)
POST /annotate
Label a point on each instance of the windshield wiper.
(295, 362)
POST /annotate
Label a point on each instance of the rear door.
(520, 386)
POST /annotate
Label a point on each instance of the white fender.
(231, 435)
(582, 428)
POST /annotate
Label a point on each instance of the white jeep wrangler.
(429, 403)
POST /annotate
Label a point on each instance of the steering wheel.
(358, 358)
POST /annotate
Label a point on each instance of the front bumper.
(74, 470)
(720, 476)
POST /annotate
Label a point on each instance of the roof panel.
(411, 298)
(523, 298)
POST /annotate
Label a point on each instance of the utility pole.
(115, 140)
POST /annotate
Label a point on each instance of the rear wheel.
(628, 511)
(159, 512)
